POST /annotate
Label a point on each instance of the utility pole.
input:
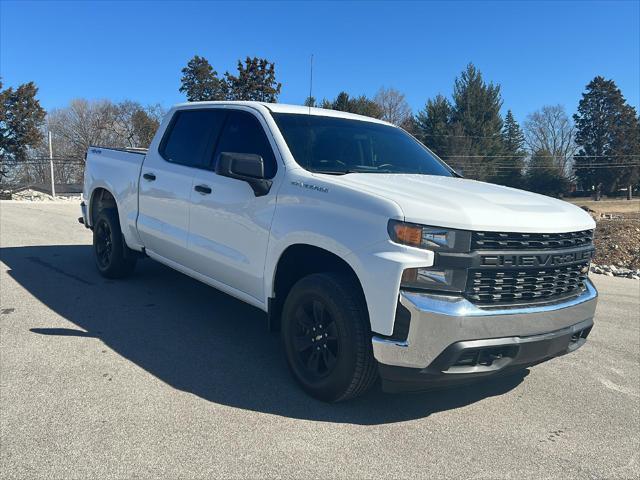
(311, 84)
(53, 185)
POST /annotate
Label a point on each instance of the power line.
(511, 165)
(539, 156)
(497, 135)
(31, 162)
(43, 158)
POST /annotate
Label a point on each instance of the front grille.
(525, 285)
(529, 241)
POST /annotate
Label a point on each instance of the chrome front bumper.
(439, 322)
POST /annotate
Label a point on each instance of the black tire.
(342, 366)
(113, 257)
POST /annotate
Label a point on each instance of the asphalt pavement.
(161, 376)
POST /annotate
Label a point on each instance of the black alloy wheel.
(327, 338)
(113, 258)
(103, 244)
(315, 339)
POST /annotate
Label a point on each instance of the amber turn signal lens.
(408, 234)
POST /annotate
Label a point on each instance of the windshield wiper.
(333, 172)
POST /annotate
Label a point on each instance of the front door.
(229, 225)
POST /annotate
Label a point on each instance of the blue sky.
(541, 52)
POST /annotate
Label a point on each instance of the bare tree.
(84, 123)
(550, 130)
(135, 125)
(394, 106)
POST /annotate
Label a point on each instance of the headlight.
(421, 236)
(439, 240)
(434, 278)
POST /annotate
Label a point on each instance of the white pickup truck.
(369, 254)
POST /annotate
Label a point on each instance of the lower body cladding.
(451, 341)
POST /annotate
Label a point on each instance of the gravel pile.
(617, 242)
(37, 196)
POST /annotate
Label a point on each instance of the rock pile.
(613, 271)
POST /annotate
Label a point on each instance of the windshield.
(340, 146)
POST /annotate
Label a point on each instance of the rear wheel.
(113, 258)
(327, 338)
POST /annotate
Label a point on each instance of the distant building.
(43, 192)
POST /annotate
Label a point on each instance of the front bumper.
(451, 340)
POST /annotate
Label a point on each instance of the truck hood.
(469, 204)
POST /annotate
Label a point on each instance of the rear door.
(166, 180)
(229, 227)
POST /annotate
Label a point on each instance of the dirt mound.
(617, 241)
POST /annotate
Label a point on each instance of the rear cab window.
(192, 136)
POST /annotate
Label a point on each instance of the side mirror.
(247, 167)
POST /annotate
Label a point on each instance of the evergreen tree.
(326, 104)
(200, 81)
(21, 119)
(256, 80)
(608, 136)
(341, 103)
(543, 175)
(409, 125)
(433, 125)
(359, 105)
(363, 105)
(476, 124)
(310, 102)
(144, 128)
(511, 165)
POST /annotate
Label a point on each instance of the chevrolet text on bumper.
(370, 255)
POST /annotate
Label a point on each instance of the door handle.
(149, 176)
(203, 189)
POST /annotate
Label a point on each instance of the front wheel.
(112, 258)
(327, 337)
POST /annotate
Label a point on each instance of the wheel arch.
(101, 198)
(297, 261)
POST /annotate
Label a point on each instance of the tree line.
(24, 141)
(599, 150)
(596, 149)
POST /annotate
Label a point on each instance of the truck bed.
(118, 171)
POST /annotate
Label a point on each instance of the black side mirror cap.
(247, 167)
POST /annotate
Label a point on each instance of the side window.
(192, 136)
(243, 134)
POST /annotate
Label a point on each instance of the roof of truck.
(286, 108)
